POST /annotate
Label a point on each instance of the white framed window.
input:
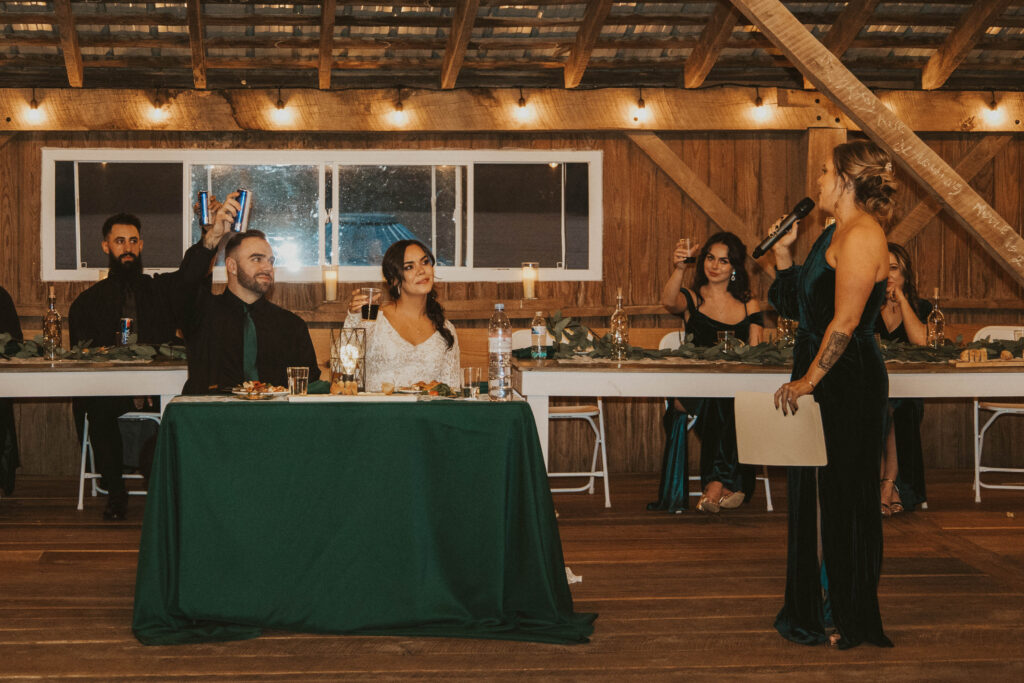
(482, 212)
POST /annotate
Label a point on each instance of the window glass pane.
(105, 189)
(379, 205)
(517, 215)
(577, 217)
(66, 235)
(284, 205)
(444, 198)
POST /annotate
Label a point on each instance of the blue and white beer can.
(241, 223)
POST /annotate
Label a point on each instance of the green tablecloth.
(430, 518)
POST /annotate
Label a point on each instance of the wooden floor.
(679, 597)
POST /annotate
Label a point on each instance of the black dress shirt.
(214, 343)
(160, 303)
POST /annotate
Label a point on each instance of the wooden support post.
(327, 13)
(197, 42)
(833, 79)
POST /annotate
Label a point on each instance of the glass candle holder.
(330, 275)
(348, 356)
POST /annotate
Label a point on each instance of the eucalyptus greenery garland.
(130, 351)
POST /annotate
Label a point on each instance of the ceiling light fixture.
(280, 102)
(992, 114)
(398, 115)
(281, 114)
(159, 113)
(523, 112)
(34, 113)
(758, 102)
(640, 113)
(759, 112)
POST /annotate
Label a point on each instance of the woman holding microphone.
(836, 295)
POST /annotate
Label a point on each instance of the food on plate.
(257, 387)
(349, 388)
(434, 388)
(974, 355)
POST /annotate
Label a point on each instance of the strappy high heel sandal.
(893, 507)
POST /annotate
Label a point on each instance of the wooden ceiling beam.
(830, 77)
(195, 39)
(716, 34)
(960, 42)
(976, 159)
(593, 21)
(847, 27)
(458, 39)
(326, 43)
(696, 189)
(69, 42)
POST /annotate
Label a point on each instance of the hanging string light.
(34, 113)
(640, 113)
(398, 114)
(523, 111)
(282, 114)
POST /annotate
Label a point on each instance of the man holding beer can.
(130, 306)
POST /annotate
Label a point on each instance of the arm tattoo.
(837, 343)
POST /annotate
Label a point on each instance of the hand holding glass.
(371, 307)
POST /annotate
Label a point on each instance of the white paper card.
(765, 436)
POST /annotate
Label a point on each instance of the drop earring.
(733, 277)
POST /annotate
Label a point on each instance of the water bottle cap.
(499, 307)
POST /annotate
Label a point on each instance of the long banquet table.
(538, 381)
(429, 518)
(40, 379)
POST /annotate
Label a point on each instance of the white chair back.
(522, 339)
(672, 340)
(998, 332)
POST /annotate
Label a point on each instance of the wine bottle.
(51, 328)
(618, 328)
(936, 323)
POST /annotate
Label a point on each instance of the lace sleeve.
(452, 367)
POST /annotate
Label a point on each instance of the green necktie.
(249, 346)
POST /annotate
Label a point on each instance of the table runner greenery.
(574, 339)
(131, 351)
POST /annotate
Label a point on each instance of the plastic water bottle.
(499, 352)
(538, 330)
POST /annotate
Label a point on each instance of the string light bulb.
(523, 111)
(281, 114)
(398, 115)
(992, 114)
(159, 112)
(34, 113)
(760, 111)
(640, 113)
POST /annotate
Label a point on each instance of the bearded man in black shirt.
(157, 304)
(239, 335)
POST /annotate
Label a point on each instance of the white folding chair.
(87, 469)
(997, 410)
(594, 416)
(673, 340)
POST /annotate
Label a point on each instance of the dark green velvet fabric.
(431, 518)
(852, 398)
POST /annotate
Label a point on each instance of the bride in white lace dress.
(410, 341)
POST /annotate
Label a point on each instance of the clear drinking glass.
(687, 244)
(727, 339)
(298, 381)
(372, 305)
(471, 382)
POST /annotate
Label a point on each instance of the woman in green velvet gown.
(836, 295)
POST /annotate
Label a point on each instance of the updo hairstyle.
(869, 169)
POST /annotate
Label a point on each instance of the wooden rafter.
(586, 37)
(829, 75)
(69, 42)
(327, 13)
(695, 188)
(847, 27)
(972, 163)
(961, 40)
(458, 39)
(714, 37)
(195, 39)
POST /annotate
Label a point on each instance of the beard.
(127, 266)
(252, 284)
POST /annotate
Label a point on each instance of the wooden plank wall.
(759, 175)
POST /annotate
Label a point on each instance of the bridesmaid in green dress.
(836, 295)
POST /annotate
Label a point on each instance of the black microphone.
(799, 211)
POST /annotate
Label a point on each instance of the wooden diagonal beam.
(695, 188)
(196, 41)
(972, 163)
(714, 37)
(586, 36)
(961, 40)
(828, 74)
(458, 39)
(327, 12)
(847, 27)
(69, 42)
